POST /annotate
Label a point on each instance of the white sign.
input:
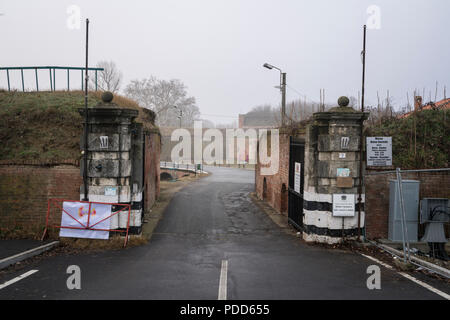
(75, 215)
(343, 205)
(110, 191)
(297, 179)
(344, 143)
(104, 142)
(343, 172)
(379, 151)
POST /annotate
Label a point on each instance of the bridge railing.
(52, 75)
(181, 166)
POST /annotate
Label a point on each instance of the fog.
(217, 48)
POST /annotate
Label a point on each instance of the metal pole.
(361, 137)
(283, 99)
(402, 208)
(51, 81)
(68, 80)
(37, 82)
(7, 76)
(23, 84)
(86, 119)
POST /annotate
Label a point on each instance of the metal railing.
(181, 166)
(52, 74)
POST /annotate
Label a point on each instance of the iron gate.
(295, 195)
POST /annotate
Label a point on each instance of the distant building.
(440, 105)
(257, 120)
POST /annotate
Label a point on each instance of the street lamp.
(283, 91)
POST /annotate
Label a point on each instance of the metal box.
(428, 212)
(411, 203)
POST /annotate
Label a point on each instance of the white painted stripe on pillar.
(21, 277)
(324, 197)
(223, 281)
(325, 219)
(407, 276)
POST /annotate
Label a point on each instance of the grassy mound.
(418, 142)
(46, 126)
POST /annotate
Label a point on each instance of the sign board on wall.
(343, 205)
(110, 191)
(379, 151)
(75, 215)
(297, 172)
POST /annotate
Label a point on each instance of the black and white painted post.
(332, 175)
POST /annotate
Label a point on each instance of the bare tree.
(110, 78)
(162, 97)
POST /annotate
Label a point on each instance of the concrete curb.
(421, 262)
(6, 262)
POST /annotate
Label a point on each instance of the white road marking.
(407, 276)
(378, 261)
(423, 284)
(21, 277)
(223, 281)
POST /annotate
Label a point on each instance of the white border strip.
(407, 276)
(21, 277)
(325, 197)
(223, 281)
(26, 254)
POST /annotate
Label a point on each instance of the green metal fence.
(52, 74)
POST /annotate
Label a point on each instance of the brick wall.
(274, 195)
(432, 185)
(24, 193)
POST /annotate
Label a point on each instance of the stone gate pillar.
(331, 179)
(115, 159)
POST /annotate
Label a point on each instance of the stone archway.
(165, 176)
(264, 194)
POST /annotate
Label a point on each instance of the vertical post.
(51, 80)
(283, 99)
(86, 118)
(402, 208)
(361, 136)
(68, 79)
(23, 83)
(7, 76)
(89, 217)
(37, 82)
(54, 79)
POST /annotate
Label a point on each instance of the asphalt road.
(210, 221)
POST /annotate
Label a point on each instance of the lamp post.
(283, 91)
(181, 114)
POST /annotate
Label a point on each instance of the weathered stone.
(329, 143)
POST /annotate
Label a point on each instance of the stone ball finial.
(343, 101)
(107, 97)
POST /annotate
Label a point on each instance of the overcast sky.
(217, 47)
